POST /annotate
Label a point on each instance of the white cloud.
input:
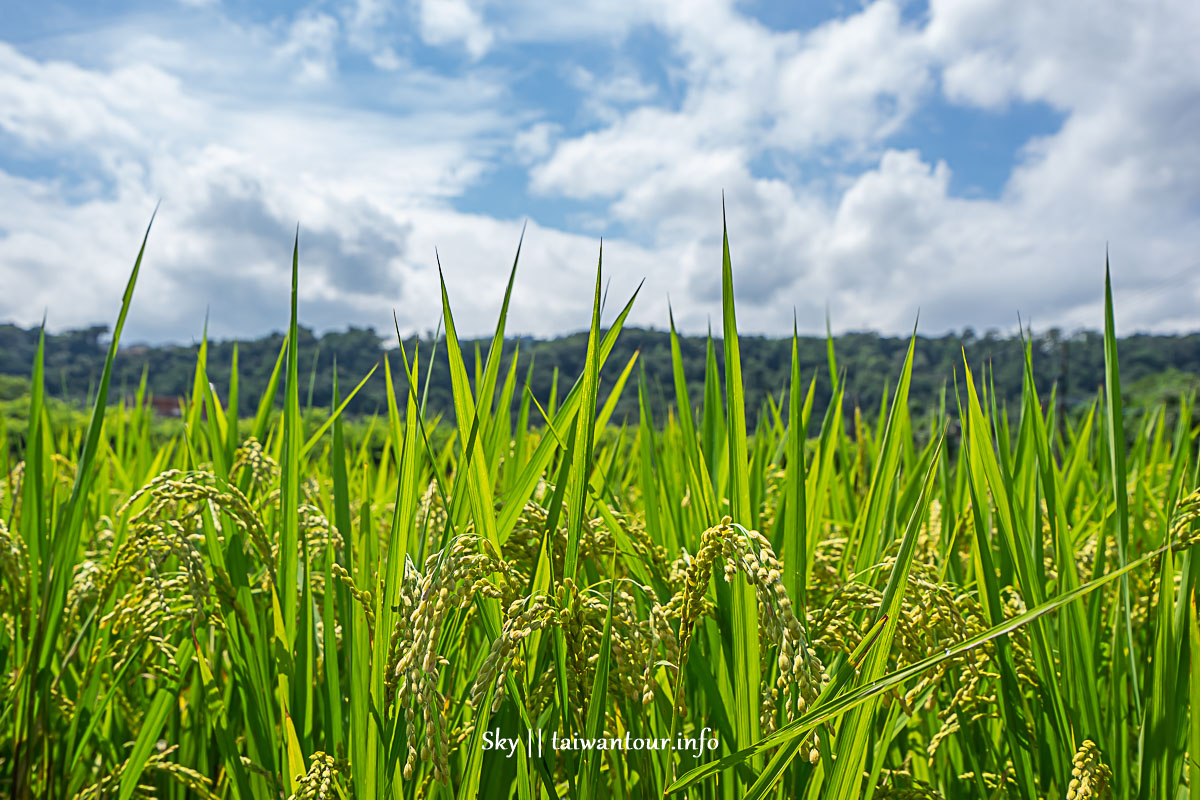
(604, 95)
(58, 104)
(753, 88)
(536, 141)
(882, 243)
(235, 176)
(446, 22)
(365, 22)
(370, 189)
(610, 161)
(827, 90)
(311, 44)
(212, 119)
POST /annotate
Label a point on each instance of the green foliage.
(247, 603)
(1156, 369)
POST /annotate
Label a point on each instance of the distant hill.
(1152, 367)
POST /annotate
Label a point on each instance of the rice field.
(993, 602)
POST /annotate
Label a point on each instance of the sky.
(956, 162)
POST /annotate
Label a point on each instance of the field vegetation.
(263, 605)
(1156, 369)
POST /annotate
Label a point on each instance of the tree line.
(1154, 368)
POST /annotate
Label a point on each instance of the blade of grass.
(745, 658)
(1116, 438)
(585, 431)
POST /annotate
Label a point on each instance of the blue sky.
(967, 159)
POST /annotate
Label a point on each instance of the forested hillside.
(1151, 366)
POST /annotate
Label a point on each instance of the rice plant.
(551, 603)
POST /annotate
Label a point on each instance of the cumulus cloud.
(877, 243)
(454, 22)
(366, 24)
(752, 90)
(235, 178)
(651, 112)
(310, 44)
